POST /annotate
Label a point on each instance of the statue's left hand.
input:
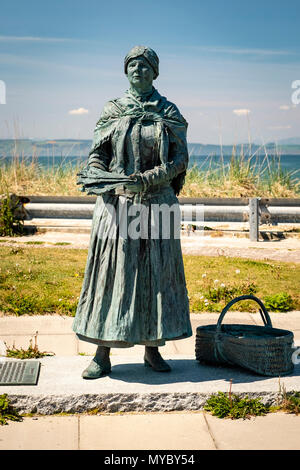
(136, 185)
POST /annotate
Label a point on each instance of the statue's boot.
(99, 366)
(153, 359)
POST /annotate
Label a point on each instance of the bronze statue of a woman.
(134, 289)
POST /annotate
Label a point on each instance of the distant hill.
(81, 148)
(291, 141)
(57, 147)
(196, 149)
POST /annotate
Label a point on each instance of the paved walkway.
(152, 431)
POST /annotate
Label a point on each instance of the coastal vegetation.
(244, 175)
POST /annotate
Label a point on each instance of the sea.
(288, 164)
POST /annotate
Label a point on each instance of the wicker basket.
(261, 349)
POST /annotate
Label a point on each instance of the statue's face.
(140, 73)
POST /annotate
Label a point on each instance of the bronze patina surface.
(134, 289)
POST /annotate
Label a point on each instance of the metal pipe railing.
(254, 210)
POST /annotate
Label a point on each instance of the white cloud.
(79, 111)
(33, 39)
(243, 51)
(241, 112)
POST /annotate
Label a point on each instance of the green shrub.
(234, 407)
(32, 352)
(288, 401)
(281, 302)
(7, 412)
(9, 225)
(291, 404)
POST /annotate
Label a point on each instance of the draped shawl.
(113, 125)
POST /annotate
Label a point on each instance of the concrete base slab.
(133, 387)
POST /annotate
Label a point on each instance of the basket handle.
(263, 312)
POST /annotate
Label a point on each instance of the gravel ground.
(279, 250)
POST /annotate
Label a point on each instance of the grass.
(290, 403)
(28, 177)
(32, 352)
(7, 411)
(213, 281)
(34, 243)
(244, 176)
(62, 243)
(35, 281)
(44, 280)
(234, 407)
(229, 405)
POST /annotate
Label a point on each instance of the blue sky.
(228, 65)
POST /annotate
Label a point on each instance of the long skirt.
(134, 289)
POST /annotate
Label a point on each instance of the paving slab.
(46, 433)
(133, 387)
(277, 431)
(184, 431)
